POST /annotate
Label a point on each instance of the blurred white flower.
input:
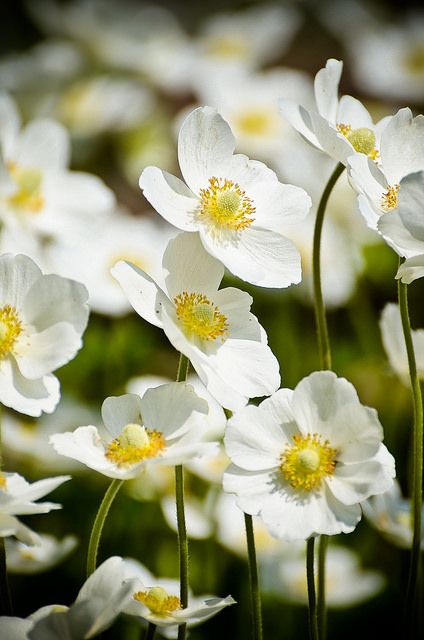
(165, 426)
(48, 552)
(213, 328)
(42, 318)
(198, 523)
(237, 205)
(304, 460)
(394, 343)
(391, 515)
(17, 498)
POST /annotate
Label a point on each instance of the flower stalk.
(253, 579)
(183, 366)
(99, 522)
(310, 575)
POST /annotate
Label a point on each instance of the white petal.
(402, 146)
(76, 192)
(140, 289)
(17, 275)
(352, 112)
(330, 140)
(353, 483)
(9, 125)
(278, 205)
(27, 396)
(326, 86)
(300, 119)
(170, 197)
(118, 411)
(11, 526)
(43, 144)
(205, 147)
(411, 269)
(235, 305)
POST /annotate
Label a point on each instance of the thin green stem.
(321, 609)
(417, 454)
(150, 633)
(99, 522)
(181, 522)
(255, 596)
(313, 619)
(320, 317)
(5, 597)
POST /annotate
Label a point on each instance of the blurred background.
(121, 77)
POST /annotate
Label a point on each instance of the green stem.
(181, 522)
(5, 597)
(150, 633)
(320, 318)
(101, 516)
(324, 356)
(313, 619)
(253, 579)
(417, 453)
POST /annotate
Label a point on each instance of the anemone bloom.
(305, 459)
(237, 205)
(213, 328)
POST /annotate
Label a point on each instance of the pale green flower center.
(224, 205)
(158, 600)
(200, 317)
(28, 194)
(362, 139)
(135, 444)
(307, 461)
(10, 329)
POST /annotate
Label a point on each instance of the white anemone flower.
(213, 328)
(28, 559)
(305, 459)
(390, 513)
(339, 127)
(156, 601)
(17, 498)
(401, 153)
(42, 318)
(165, 426)
(237, 205)
(347, 583)
(37, 191)
(394, 343)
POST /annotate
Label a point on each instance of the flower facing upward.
(42, 318)
(304, 460)
(165, 426)
(213, 328)
(237, 205)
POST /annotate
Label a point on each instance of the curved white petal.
(17, 275)
(118, 411)
(235, 305)
(140, 289)
(31, 397)
(353, 483)
(411, 269)
(330, 140)
(402, 146)
(278, 205)
(43, 144)
(300, 119)
(326, 87)
(352, 112)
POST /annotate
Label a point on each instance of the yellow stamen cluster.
(10, 329)
(362, 139)
(200, 317)
(28, 194)
(389, 199)
(158, 600)
(3, 482)
(307, 461)
(225, 205)
(136, 443)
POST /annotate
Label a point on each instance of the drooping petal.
(140, 289)
(31, 397)
(411, 269)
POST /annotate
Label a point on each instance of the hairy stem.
(99, 522)
(255, 596)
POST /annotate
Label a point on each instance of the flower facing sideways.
(165, 426)
(237, 205)
(305, 459)
(42, 318)
(213, 328)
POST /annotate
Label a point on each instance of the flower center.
(362, 139)
(256, 122)
(10, 329)
(389, 199)
(158, 600)
(28, 194)
(3, 482)
(228, 47)
(414, 60)
(306, 462)
(136, 443)
(225, 205)
(200, 316)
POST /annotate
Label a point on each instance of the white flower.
(391, 515)
(42, 318)
(198, 522)
(165, 426)
(339, 127)
(304, 459)
(237, 205)
(347, 584)
(37, 191)
(156, 601)
(28, 559)
(394, 343)
(401, 153)
(17, 498)
(214, 329)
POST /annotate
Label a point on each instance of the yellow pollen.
(307, 461)
(389, 199)
(201, 317)
(3, 482)
(10, 329)
(158, 600)
(225, 205)
(28, 194)
(136, 443)
(255, 122)
(362, 139)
